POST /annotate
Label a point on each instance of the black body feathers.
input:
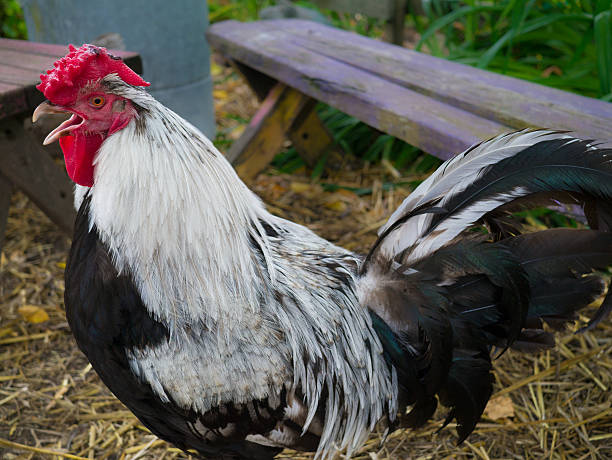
(449, 296)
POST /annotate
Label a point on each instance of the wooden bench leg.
(306, 131)
(396, 25)
(311, 138)
(5, 203)
(30, 168)
(264, 136)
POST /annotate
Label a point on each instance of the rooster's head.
(77, 85)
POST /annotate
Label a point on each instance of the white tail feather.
(447, 181)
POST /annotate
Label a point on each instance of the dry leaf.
(337, 205)
(237, 132)
(33, 314)
(6, 331)
(215, 69)
(299, 187)
(347, 193)
(500, 407)
(550, 70)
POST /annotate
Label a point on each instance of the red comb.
(80, 66)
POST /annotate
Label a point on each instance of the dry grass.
(51, 400)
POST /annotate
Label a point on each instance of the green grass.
(564, 44)
(240, 10)
(12, 24)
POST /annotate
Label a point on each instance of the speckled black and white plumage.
(236, 333)
(108, 319)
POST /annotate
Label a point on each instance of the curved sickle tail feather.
(443, 295)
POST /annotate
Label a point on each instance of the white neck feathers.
(176, 217)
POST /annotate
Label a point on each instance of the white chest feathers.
(198, 371)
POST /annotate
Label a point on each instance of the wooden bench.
(24, 162)
(439, 106)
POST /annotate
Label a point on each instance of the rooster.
(235, 333)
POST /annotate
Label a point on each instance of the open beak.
(63, 129)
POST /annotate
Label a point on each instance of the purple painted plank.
(506, 99)
(37, 62)
(18, 76)
(509, 101)
(431, 125)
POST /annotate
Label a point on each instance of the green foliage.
(561, 43)
(240, 10)
(11, 18)
(248, 10)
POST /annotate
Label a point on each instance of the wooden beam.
(264, 136)
(311, 138)
(29, 167)
(307, 133)
(397, 23)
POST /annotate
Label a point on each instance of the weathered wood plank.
(5, 87)
(510, 101)
(26, 80)
(29, 167)
(307, 134)
(18, 76)
(434, 126)
(264, 136)
(36, 62)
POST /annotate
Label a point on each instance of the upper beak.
(63, 129)
(46, 108)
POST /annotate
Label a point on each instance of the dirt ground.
(553, 405)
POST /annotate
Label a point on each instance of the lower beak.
(63, 129)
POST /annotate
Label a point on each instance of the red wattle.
(119, 123)
(79, 153)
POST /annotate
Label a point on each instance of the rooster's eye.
(96, 101)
